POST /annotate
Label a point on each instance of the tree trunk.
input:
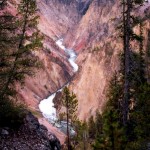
(112, 133)
(127, 30)
(68, 134)
(84, 140)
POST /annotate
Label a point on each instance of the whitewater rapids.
(46, 106)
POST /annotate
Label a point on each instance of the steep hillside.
(57, 17)
(57, 20)
(55, 70)
(96, 34)
(89, 27)
(98, 44)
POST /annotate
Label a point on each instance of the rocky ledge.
(30, 136)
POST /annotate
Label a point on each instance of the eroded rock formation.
(89, 27)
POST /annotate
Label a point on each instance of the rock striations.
(89, 27)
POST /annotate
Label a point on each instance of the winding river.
(46, 106)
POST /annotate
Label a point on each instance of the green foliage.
(98, 123)
(135, 135)
(148, 50)
(17, 45)
(91, 128)
(19, 38)
(81, 138)
(112, 134)
(86, 132)
(36, 113)
(138, 2)
(128, 21)
(71, 104)
(125, 118)
(140, 119)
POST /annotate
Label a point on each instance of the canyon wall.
(89, 27)
(98, 48)
(98, 44)
(55, 71)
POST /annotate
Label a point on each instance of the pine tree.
(91, 128)
(20, 59)
(18, 39)
(127, 31)
(134, 136)
(81, 140)
(128, 35)
(138, 136)
(139, 124)
(98, 123)
(124, 111)
(10, 114)
(112, 136)
(71, 103)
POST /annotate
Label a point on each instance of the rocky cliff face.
(98, 44)
(57, 17)
(57, 20)
(56, 70)
(85, 25)
(97, 36)
(89, 27)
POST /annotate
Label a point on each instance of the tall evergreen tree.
(138, 136)
(128, 36)
(134, 135)
(123, 117)
(71, 103)
(112, 136)
(91, 128)
(127, 31)
(81, 140)
(98, 123)
(18, 39)
(27, 40)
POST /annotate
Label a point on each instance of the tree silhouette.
(71, 103)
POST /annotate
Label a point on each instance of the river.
(46, 106)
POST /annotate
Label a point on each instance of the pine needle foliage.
(19, 38)
(112, 135)
(70, 102)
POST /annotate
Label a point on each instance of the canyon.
(89, 28)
